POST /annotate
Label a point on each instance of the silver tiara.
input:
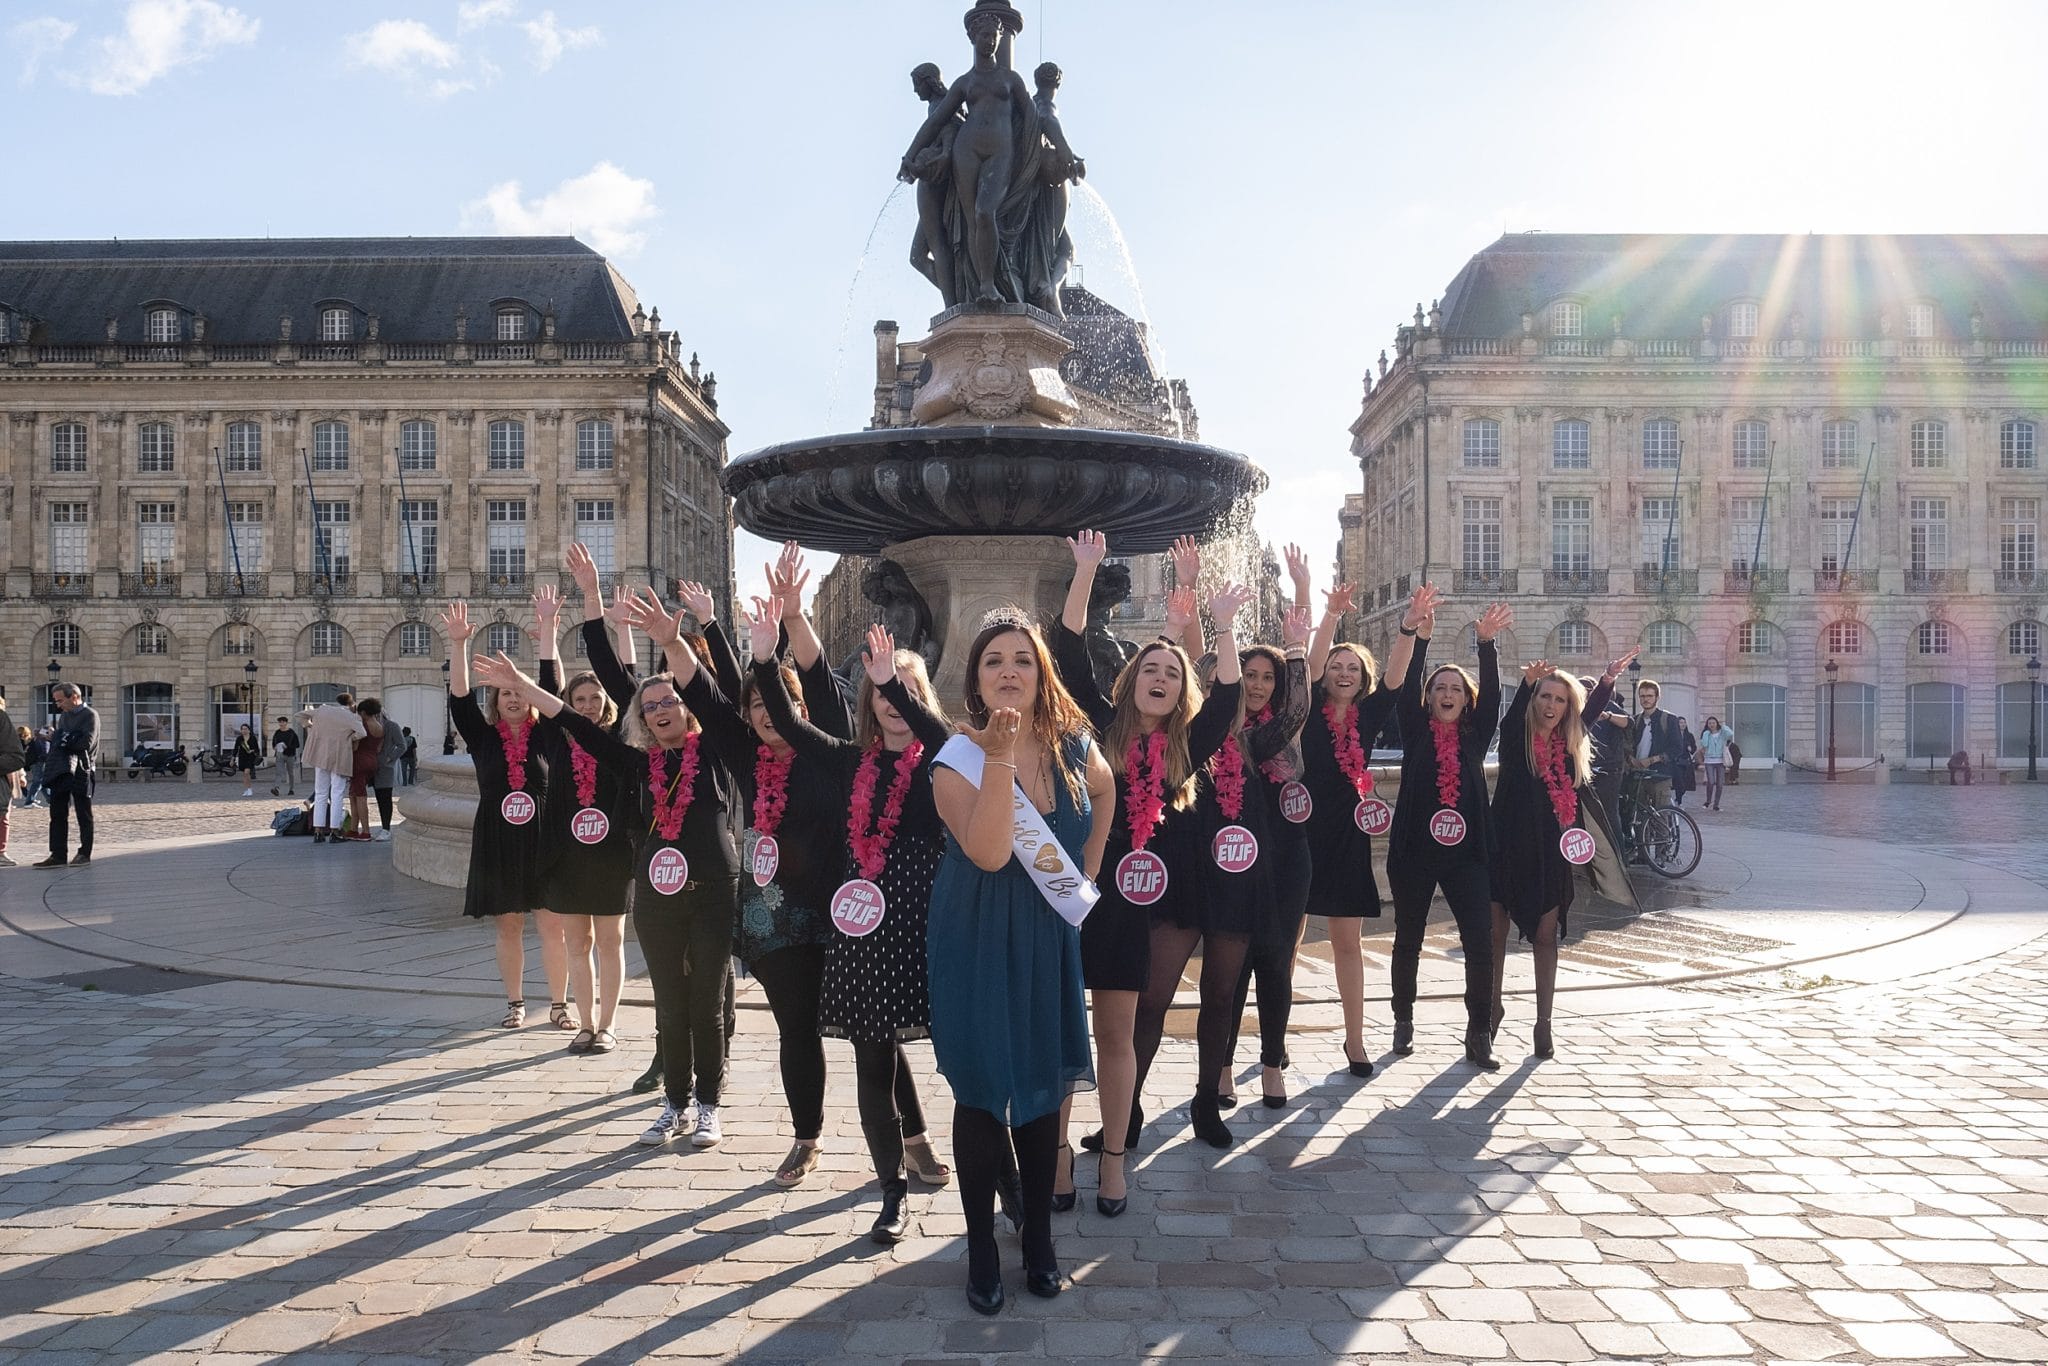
(1009, 614)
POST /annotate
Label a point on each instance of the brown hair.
(1124, 727)
(791, 684)
(866, 731)
(609, 715)
(1471, 688)
(1055, 716)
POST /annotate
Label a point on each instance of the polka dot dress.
(876, 987)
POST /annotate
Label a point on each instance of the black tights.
(1272, 960)
(1223, 958)
(383, 805)
(793, 978)
(982, 1150)
(1469, 892)
(889, 1108)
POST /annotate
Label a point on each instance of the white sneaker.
(707, 1135)
(380, 835)
(248, 792)
(666, 1126)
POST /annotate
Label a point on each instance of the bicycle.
(216, 761)
(1664, 837)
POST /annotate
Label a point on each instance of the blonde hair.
(609, 715)
(1578, 746)
(868, 731)
(637, 730)
(1125, 726)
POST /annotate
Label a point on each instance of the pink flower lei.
(1564, 798)
(515, 742)
(1449, 764)
(669, 809)
(1349, 751)
(583, 765)
(871, 847)
(771, 789)
(1226, 770)
(1145, 794)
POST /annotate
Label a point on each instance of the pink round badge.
(590, 826)
(1141, 877)
(857, 907)
(1235, 849)
(1577, 847)
(668, 870)
(1295, 802)
(518, 808)
(1374, 816)
(767, 859)
(1447, 827)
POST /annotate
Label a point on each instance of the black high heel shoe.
(1062, 1201)
(1207, 1121)
(1543, 1046)
(1093, 1142)
(649, 1079)
(1044, 1284)
(1478, 1049)
(1105, 1206)
(1404, 1037)
(989, 1301)
(893, 1222)
(1362, 1067)
(1278, 1101)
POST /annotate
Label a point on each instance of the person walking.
(390, 754)
(35, 750)
(331, 737)
(13, 777)
(70, 773)
(248, 754)
(1715, 739)
(1683, 777)
(409, 756)
(284, 746)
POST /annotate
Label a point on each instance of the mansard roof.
(242, 287)
(1840, 285)
(1111, 354)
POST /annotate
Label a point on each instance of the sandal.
(583, 1040)
(515, 1015)
(921, 1162)
(603, 1041)
(801, 1162)
(558, 1015)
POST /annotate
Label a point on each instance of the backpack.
(291, 820)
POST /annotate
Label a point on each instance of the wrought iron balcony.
(324, 585)
(410, 585)
(150, 583)
(2016, 581)
(249, 583)
(1935, 580)
(1756, 580)
(1843, 581)
(507, 585)
(1498, 582)
(1575, 581)
(69, 584)
(1664, 582)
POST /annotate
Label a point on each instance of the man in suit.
(70, 772)
(1656, 744)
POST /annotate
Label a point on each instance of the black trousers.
(1271, 959)
(687, 942)
(890, 1110)
(70, 793)
(792, 978)
(1469, 891)
(981, 1152)
(383, 805)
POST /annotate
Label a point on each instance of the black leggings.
(1223, 958)
(982, 1151)
(687, 942)
(792, 978)
(890, 1111)
(1469, 892)
(1271, 959)
(383, 805)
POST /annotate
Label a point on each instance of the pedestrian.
(284, 746)
(1443, 826)
(410, 756)
(1683, 763)
(504, 849)
(1656, 744)
(1608, 731)
(35, 748)
(13, 776)
(390, 755)
(1734, 762)
(1027, 801)
(331, 737)
(248, 754)
(1715, 739)
(363, 773)
(70, 772)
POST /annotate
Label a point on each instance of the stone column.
(962, 578)
(432, 843)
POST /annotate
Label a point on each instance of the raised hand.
(697, 598)
(643, 610)
(1187, 561)
(498, 671)
(1180, 610)
(788, 578)
(1294, 627)
(1225, 603)
(1089, 548)
(455, 621)
(1422, 607)
(1297, 570)
(1497, 617)
(880, 655)
(999, 740)
(547, 605)
(1532, 672)
(762, 630)
(1337, 600)
(582, 568)
(1614, 670)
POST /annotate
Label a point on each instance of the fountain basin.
(860, 492)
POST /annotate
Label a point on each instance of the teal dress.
(1009, 1022)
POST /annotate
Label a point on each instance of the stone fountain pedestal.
(995, 365)
(432, 842)
(963, 578)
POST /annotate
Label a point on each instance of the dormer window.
(1920, 320)
(511, 324)
(165, 325)
(1742, 321)
(1567, 319)
(6, 327)
(337, 324)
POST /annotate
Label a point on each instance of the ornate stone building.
(1115, 379)
(244, 475)
(1786, 468)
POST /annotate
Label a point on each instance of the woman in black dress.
(1157, 731)
(512, 782)
(875, 990)
(1443, 827)
(685, 867)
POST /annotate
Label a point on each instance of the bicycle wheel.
(1671, 840)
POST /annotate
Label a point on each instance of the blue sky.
(1289, 180)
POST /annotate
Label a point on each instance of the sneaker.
(248, 792)
(381, 836)
(667, 1125)
(707, 1135)
(274, 792)
(6, 862)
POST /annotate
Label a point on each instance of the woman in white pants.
(331, 738)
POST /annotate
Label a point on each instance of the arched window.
(330, 446)
(244, 451)
(151, 639)
(67, 448)
(1839, 449)
(1660, 444)
(418, 445)
(1932, 638)
(326, 638)
(164, 325)
(237, 641)
(415, 640)
(503, 636)
(65, 638)
(507, 446)
(337, 324)
(1567, 319)
(594, 444)
(1930, 445)
(2016, 449)
(1571, 445)
(2023, 639)
(1574, 639)
(511, 324)
(155, 448)
(1752, 445)
(1845, 638)
(1664, 638)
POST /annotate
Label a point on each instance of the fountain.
(973, 501)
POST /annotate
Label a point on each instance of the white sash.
(1055, 872)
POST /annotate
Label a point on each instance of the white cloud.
(36, 39)
(477, 13)
(159, 35)
(402, 47)
(604, 206)
(550, 40)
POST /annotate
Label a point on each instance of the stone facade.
(158, 524)
(1749, 457)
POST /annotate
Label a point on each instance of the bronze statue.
(931, 250)
(903, 609)
(1109, 651)
(1005, 205)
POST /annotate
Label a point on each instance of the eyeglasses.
(659, 704)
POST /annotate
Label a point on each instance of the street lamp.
(1832, 669)
(447, 714)
(2033, 718)
(50, 693)
(1635, 677)
(249, 694)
